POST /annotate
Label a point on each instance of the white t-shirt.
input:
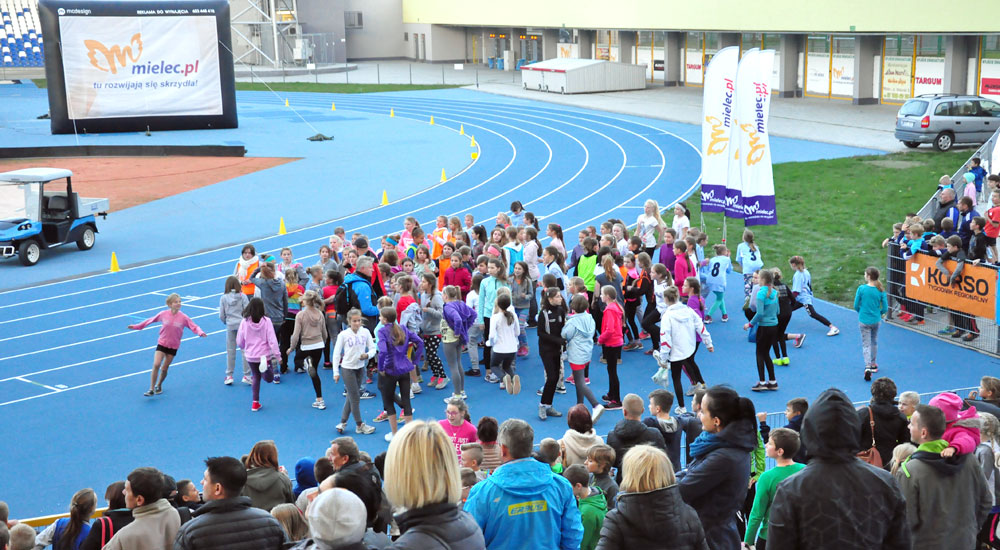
(680, 224)
(646, 226)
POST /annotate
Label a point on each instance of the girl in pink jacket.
(257, 340)
(171, 330)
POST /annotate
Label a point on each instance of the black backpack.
(345, 299)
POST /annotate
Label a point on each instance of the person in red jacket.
(456, 275)
(611, 340)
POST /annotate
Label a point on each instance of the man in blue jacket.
(523, 504)
(360, 282)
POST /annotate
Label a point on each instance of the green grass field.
(835, 214)
(320, 87)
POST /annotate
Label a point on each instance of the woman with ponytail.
(68, 533)
(715, 482)
(871, 304)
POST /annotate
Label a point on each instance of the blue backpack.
(513, 256)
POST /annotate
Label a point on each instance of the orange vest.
(439, 233)
(248, 288)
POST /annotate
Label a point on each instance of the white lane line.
(85, 323)
(64, 346)
(33, 383)
(105, 380)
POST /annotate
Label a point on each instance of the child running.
(678, 330)
(171, 329)
(718, 268)
(310, 328)
(750, 260)
(257, 340)
(802, 290)
(871, 304)
(351, 351)
(231, 307)
(398, 351)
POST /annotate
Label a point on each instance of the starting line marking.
(50, 388)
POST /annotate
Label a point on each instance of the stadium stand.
(21, 38)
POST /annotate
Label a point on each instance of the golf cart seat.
(58, 208)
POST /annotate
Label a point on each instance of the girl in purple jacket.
(398, 350)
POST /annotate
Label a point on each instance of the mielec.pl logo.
(114, 57)
(918, 280)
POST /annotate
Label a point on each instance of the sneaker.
(612, 405)
(947, 330)
(158, 390)
(388, 436)
(228, 381)
(596, 414)
(148, 393)
(874, 367)
(605, 397)
(958, 334)
(364, 429)
(473, 372)
(434, 381)
(540, 390)
(382, 417)
(690, 390)
(725, 318)
(423, 367)
(552, 412)
(247, 380)
(415, 388)
(412, 395)
(569, 380)
(561, 389)
(680, 410)
(327, 365)
(759, 386)
(365, 394)
(634, 345)
(344, 393)
(798, 341)
(771, 386)
(969, 337)
(464, 395)
(321, 405)
(277, 378)
(868, 374)
(442, 383)
(905, 316)
(542, 414)
(833, 331)
(644, 335)
(522, 351)
(340, 427)
(420, 378)
(453, 396)
(517, 384)
(300, 370)
(708, 319)
(256, 406)
(604, 361)
(507, 384)
(492, 378)
(649, 352)
(586, 381)
(919, 322)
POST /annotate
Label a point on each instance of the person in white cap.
(337, 521)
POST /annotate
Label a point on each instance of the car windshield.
(914, 107)
(19, 201)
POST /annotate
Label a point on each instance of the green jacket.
(592, 511)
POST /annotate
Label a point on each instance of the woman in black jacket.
(112, 521)
(551, 319)
(650, 513)
(891, 426)
(421, 476)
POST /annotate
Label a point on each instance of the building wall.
(839, 16)
(325, 17)
(441, 44)
(382, 35)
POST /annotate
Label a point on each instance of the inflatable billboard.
(132, 65)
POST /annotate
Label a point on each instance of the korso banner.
(974, 292)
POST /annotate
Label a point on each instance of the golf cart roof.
(34, 175)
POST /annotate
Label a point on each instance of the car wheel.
(86, 241)
(29, 252)
(944, 141)
(912, 144)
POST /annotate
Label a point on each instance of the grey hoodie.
(275, 296)
(431, 323)
(231, 307)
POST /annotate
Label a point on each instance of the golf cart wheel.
(912, 144)
(29, 252)
(86, 240)
(944, 141)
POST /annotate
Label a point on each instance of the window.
(989, 108)
(914, 108)
(943, 109)
(353, 20)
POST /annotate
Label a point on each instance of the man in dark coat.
(227, 521)
(837, 501)
(631, 432)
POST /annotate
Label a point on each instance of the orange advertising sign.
(974, 292)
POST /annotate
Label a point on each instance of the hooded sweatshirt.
(593, 508)
(267, 488)
(362, 288)
(459, 318)
(231, 306)
(430, 323)
(305, 475)
(550, 325)
(654, 519)
(673, 429)
(398, 360)
(275, 297)
(155, 526)
(257, 339)
(523, 496)
(679, 328)
(611, 326)
(352, 345)
(629, 433)
(579, 335)
(310, 327)
(577, 444)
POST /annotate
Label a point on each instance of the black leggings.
(314, 356)
(765, 339)
(694, 371)
(649, 324)
(487, 348)
(780, 348)
(503, 360)
(387, 385)
(675, 373)
(611, 355)
(632, 331)
(812, 313)
(550, 360)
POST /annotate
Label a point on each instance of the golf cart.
(33, 217)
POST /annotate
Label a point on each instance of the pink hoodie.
(257, 339)
(962, 432)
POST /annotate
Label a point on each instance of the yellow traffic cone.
(473, 140)
(432, 121)
(114, 264)
(392, 113)
(461, 129)
(281, 227)
(385, 198)
(475, 155)
(286, 103)
(444, 178)
(333, 106)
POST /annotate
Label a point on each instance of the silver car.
(946, 119)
